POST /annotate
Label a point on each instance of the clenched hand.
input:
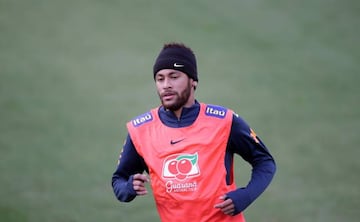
(226, 206)
(139, 184)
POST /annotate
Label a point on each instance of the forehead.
(166, 72)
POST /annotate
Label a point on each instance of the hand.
(226, 206)
(139, 184)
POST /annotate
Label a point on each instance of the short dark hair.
(177, 45)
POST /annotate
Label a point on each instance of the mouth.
(168, 96)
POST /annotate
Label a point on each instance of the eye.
(159, 78)
(174, 76)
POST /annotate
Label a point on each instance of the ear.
(194, 84)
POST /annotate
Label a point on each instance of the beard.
(181, 99)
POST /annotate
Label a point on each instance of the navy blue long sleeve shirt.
(242, 141)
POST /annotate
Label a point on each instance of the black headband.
(178, 58)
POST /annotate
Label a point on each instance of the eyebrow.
(170, 73)
(174, 72)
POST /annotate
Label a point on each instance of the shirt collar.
(187, 117)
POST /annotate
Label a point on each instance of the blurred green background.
(73, 72)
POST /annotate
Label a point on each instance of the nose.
(167, 83)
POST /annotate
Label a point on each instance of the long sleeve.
(243, 141)
(130, 163)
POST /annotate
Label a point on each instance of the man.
(187, 149)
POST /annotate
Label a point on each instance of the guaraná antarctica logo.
(177, 168)
(181, 166)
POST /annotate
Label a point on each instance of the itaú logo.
(181, 166)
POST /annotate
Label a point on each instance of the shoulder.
(239, 123)
(142, 119)
(216, 111)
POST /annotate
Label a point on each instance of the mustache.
(168, 93)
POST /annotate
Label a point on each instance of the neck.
(187, 105)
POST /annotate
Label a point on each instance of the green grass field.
(72, 73)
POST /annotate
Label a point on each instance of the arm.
(131, 165)
(244, 142)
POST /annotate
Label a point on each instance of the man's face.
(174, 88)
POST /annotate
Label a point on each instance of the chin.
(170, 106)
(167, 103)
